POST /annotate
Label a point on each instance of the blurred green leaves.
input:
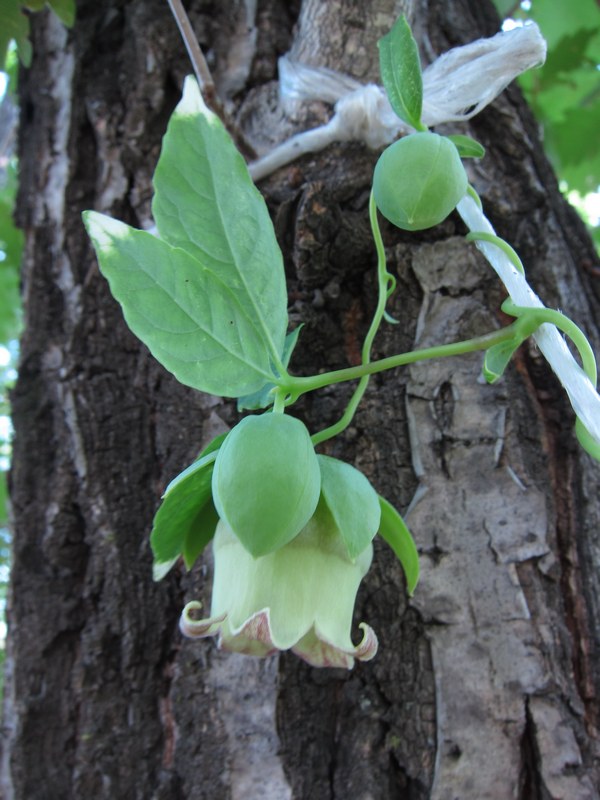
(11, 245)
(565, 93)
(14, 23)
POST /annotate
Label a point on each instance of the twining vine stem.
(298, 386)
(386, 284)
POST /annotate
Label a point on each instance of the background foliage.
(565, 94)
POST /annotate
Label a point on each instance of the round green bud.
(418, 181)
(266, 481)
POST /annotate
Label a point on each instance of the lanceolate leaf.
(352, 501)
(400, 69)
(192, 322)
(395, 532)
(206, 203)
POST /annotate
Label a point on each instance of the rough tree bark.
(487, 683)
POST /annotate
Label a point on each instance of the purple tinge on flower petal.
(320, 653)
(300, 597)
(198, 628)
(253, 638)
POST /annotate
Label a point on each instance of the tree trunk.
(486, 684)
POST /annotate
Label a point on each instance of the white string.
(455, 87)
(580, 390)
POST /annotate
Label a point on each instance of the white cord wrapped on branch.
(459, 84)
(582, 393)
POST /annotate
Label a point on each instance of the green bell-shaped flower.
(266, 481)
(299, 597)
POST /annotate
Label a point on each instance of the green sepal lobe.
(395, 532)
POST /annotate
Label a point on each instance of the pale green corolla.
(300, 597)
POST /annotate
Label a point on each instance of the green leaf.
(352, 501)
(207, 456)
(10, 318)
(181, 523)
(567, 55)
(14, 24)
(467, 147)
(504, 6)
(564, 92)
(557, 19)
(575, 148)
(64, 10)
(395, 532)
(400, 69)
(190, 320)
(206, 203)
(264, 397)
(11, 246)
(497, 358)
(213, 445)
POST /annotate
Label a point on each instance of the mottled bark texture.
(487, 681)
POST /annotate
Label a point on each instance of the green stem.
(280, 401)
(386, 283)
(474, 196)
(299, 386)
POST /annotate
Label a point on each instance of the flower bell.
(299, 597)
(293, 541)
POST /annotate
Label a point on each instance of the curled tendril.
(481, 236)
(539, 316)
(474, 196)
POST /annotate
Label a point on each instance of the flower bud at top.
(418, 181)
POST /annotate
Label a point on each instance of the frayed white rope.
(463, 81)
(455, 87)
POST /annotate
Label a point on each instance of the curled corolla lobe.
(300, 597)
